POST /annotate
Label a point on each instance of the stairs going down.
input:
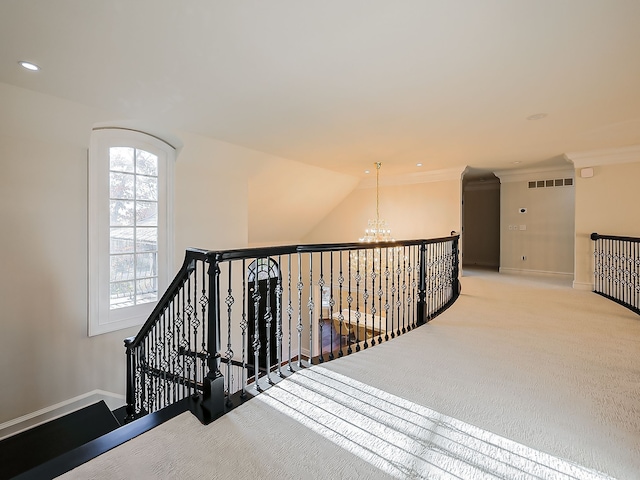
(26, 450)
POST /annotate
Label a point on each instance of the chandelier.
(377, 229)
(374, 261)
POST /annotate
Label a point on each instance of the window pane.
(122, 294)
(121, 240)
(122, 268)
(147, 214)
(121, 185)
(146, 265)
(147, 290)
(146, 239)
(122, 213)
(121, 159)
(146, 188)
(146, 163)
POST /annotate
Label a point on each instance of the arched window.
(130, 226)
(262, 269)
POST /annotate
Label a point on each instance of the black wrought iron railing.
(234, 322)
(617, 269)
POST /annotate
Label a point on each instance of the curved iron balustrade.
(234, 322)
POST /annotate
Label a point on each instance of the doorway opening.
(481, 220)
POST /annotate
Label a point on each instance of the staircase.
(53, 448)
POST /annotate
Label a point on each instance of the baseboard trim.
(30, 420)
(583, 286)
(540, 273)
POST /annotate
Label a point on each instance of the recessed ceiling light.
(536, 116)
(517, 162)
(418, 164)
(367, 172)
(29, 66)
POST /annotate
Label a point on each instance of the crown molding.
(529, 174)
(454, 173)
(605, 156)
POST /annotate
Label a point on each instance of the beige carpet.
(521, 378)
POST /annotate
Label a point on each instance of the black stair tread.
(73, 458)
(37, 445)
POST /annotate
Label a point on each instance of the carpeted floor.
(521, 378)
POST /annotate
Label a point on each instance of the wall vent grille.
(558, 182)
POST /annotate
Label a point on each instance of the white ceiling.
(344, 83)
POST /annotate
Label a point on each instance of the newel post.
(422, 286)
(131, 387)
(210, 405)
(455, 274)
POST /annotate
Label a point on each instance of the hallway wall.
(544, 234)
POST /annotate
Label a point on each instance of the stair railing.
(234, 322)
(617, 269)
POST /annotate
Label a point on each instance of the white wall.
(287, 199)
(412, 211)
(547, 243)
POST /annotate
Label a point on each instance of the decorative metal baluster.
(386, 297)
(185, 339)
(357, 303)
(374, 310)
(438, 266)
(439, 275)
(610, 262)
(256, 330)
(243, 327)
(289, 312)
(380, 294)
(332, 303)
(399, 289)
(300, 287)
(164, 361)
(618, 270)
(279, 317)
(155, 377)
(268, 317)
(412, 291)
(204, 304)
(596, 264)
(629, 270)
(405, 320)
(310, 308)
(340, 315)
(229, 301)
(195, 323)
(171, 314)
(321, 319)
(365, 296)
(392, 305)
(636, 256)
(144, 376)
(428, 281)
(139, 380)
(349, 303)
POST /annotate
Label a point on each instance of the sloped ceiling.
(341, 84)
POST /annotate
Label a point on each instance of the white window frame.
(102, 318)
